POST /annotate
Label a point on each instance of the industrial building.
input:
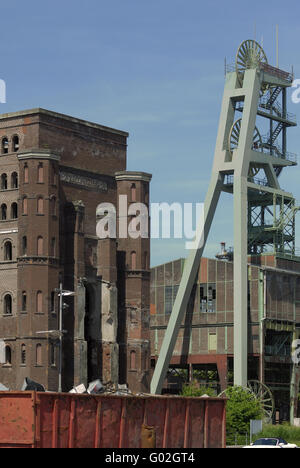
(55, 170)
(238, 316)
(205, 348)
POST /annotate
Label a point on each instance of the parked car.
(271, 443)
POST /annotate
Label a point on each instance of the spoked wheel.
(233, 143)
(264, 395)
(249, 55)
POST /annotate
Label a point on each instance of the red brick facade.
(56, 170)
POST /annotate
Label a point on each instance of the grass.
(290, 433)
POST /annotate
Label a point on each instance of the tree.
(241, 407)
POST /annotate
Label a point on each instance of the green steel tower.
(250, 154)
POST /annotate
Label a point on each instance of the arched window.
(133, 260)
(40, 245)
(7, 304)
(24, 301)
(23, 354)
(40, 177)
(133, 192)
(132, 360)
(14, 211)
(8, 251)
(40, 205)
(4, 145)
(26, 174)
(39, 302)
(15, 143)
(14, 180)
(8, 355)
(3, 212)
(4, 182)
(24, 245)
(53, 247)
(38, 354)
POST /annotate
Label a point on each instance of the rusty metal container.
(53, 420)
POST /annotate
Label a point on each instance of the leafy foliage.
(290, 433)
(241, 407)
(195, 390)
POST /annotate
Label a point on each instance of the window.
(24, 245)
(170, 296)
(40, 206)
(3, 212)
(25, 206)
(132, 360)
(7, 304)
(39, 302)
(8, 251)
(212, 342)
(26, 174)
(4, 182)
(14, 211)
(38, 355)
(40, 245)
(40, 177)
(23, 354)
(15, 143)
(24, 301)
(4, 145)
(208, 294)
(133, 260)
(14, 180)
(8, 355)
(133, 192)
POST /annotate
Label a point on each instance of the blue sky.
(154, 69)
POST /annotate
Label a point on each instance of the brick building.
(204, 348)
(55, 170)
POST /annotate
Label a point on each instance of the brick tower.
(133, 286)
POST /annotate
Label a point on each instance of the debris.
(31, 385)
(96, 387)
(79, 389)
(3, 388)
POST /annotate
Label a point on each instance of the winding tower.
(250, 154)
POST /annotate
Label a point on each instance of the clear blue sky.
(153, 68)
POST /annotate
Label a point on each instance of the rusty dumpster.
(59, 420)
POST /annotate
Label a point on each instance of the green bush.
(241, 407)
(195, 390)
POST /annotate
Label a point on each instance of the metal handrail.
(292, 157)
(283, 75)
(263, 104)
